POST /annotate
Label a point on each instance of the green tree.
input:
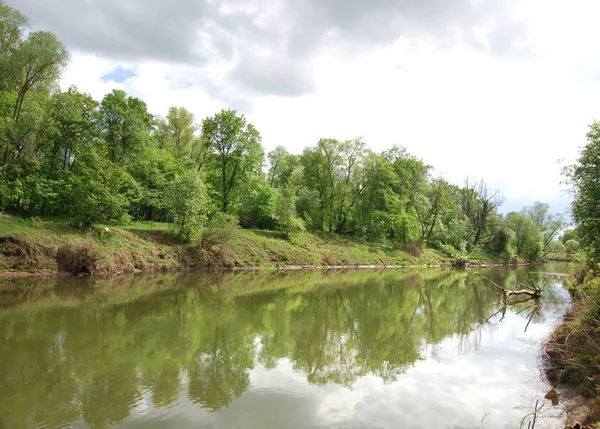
(571, 248)
(12, 24)
(236, 152)
(155, 171)
(431, 205)
(179, 131)
(126, 125)
(281, 166)
(39, 61)
(188, 205)
(287, 217)
(569, 234)
(549, 224)
(257, 204)
(527, 236)
(479, 204)
(100, 190)
(584, 178)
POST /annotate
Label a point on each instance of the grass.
(54, 245)
(573, 349)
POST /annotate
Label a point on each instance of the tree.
(100, 190)
(126, 125)
(550, 225)
(155, 171)
(236, 151)
(180, 129)
(571, 247)
(285, 205)
(187, 204)
(39, 61)
(12, 23)
(350, 182)
(372, 215)
(431, 205)
(569, 234)
(478, 203)
(257, 208)
(281, 165)
(586, 203)
(527, 236)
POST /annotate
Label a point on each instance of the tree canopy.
(111, 160)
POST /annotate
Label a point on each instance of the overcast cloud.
(270, 42)
(500, 89)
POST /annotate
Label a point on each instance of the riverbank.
(572, 353)
(33, 247)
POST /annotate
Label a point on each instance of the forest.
(110, 161)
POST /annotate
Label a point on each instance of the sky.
(500, 90)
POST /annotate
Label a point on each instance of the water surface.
(353, 349)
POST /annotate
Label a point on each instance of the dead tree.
(529, 289)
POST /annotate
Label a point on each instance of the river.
(320, 349)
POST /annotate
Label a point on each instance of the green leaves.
(235, 152)
(101, 190)
(126, 125)
(527, 238)
(586, 205)
(187, 204)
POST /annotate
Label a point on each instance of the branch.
(534, 292)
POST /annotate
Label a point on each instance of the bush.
(222, 230)
(187, 204)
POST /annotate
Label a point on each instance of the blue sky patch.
(118, 74)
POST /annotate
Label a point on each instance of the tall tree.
(236, 151)
(281, 165)
(187, 204)
(584, 178)
(549, 224)
(350, 186)
(39, 61)
(180, 130)
(527, 236)
(478, 204)
(431, 205)
(12, 24)
(126, 125)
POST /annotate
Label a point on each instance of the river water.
(320, 349)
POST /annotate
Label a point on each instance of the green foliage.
(187, 205)
(569, 234)
(179, 131)
(285, 206)
(584, 177)
(125, 124)
(550, 225)
(154, 172)
(257, 204)
(571, 248)
(101, 190)
(556, 250)
(222, 230)
(527, 238)
(235, 153)
(63, 153)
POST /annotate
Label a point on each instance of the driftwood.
(530, 290)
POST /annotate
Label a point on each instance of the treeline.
(65, 154)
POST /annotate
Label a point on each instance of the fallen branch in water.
(530, 290)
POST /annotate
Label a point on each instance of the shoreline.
(16, 274)
(569, 358)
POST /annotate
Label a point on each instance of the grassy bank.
(573, 349)
(48, 246)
